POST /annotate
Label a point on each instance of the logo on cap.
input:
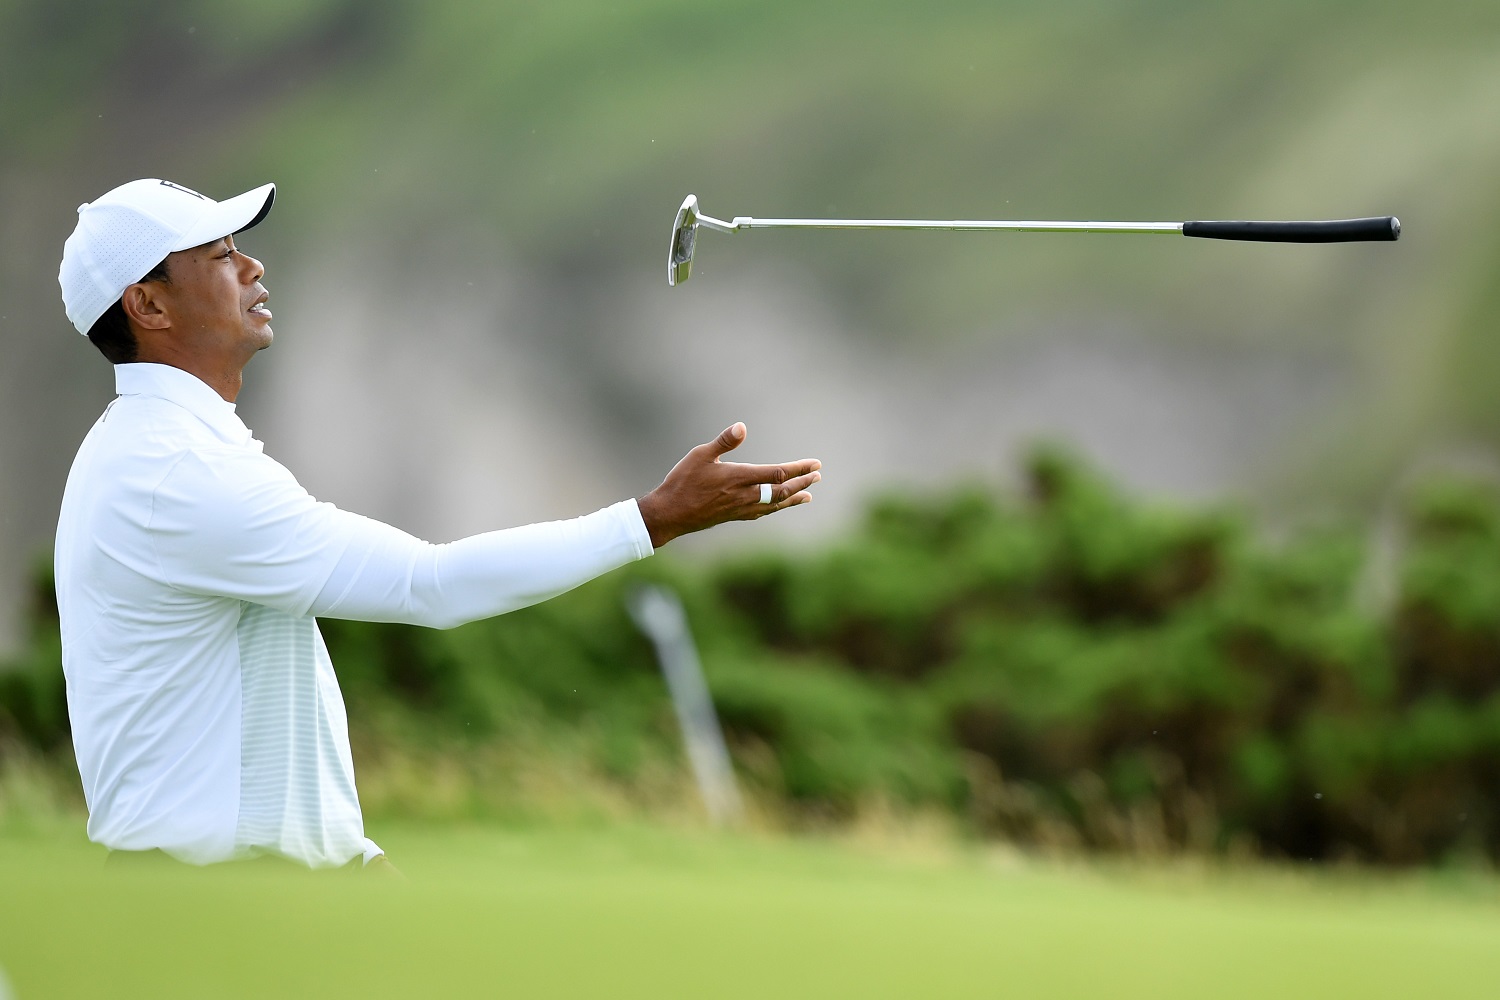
(184, 190)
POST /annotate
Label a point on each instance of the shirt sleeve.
(240, 525)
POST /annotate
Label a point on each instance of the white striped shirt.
(207, 719)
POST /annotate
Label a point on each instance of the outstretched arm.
(399, 578)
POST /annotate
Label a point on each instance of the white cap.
(127, 232)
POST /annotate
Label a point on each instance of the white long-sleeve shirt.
(191, 568)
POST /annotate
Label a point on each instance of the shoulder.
(220, 479)
(161, 440)
(149, 430)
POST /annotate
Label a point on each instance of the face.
(215, 301)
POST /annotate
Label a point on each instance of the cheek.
(212, 309)
(222, 298)
(210, 298)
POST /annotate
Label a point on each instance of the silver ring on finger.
(765, 492)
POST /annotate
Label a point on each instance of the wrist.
(650, 506)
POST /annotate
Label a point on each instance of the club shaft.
(1171, 228)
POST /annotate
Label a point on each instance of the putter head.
(684, 236)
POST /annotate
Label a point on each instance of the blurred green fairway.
(630, 912)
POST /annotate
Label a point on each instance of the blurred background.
(466, 264)
(467, 253)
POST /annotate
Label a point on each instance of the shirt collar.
(187, 391)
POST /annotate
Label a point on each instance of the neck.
(225, 378)
(226, 384)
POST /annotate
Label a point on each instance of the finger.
(773, 474)
(795, 500)
(792, 487)
(779, 494)
(729, 439)
(756, 511)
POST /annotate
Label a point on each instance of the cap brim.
(234, 215)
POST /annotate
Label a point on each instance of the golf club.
(685, 230)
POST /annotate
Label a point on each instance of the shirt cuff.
(636, 525)
(371, 850)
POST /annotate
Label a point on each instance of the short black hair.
(111, 332)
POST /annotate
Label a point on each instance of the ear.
(145, 307)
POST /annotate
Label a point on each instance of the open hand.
(702, 491)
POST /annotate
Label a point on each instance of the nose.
(255, 269)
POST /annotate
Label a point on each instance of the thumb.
(731, 438)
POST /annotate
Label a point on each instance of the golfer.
(192, 568)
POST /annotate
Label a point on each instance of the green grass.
(624, 911)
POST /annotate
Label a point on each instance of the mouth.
(259, 309)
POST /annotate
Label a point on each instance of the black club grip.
(1385, 228)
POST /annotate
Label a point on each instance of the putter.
(685, 230)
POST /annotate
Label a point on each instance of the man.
(191, 568)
